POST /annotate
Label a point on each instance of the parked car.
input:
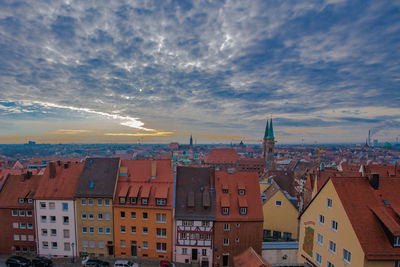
(164, 263)
(96, 263)
(123, 263)
(41, 262)
(17, 261)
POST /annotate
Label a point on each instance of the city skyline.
(156, 72)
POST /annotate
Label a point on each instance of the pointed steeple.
(270, 130)
(266, 131)
(191, 140)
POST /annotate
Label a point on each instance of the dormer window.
(243, 211)
(145, 201)
(133, 200)
(161, 201)
(122, 200)
(225, 191)
(21, 200)
(242, 192)
(225, 211)
(30, 200)
(396, 241)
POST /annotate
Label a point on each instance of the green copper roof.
(266, 131)
(270, 130)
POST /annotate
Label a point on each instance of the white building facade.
(56, 228)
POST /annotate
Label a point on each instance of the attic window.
(122, 200)
(225, 211)
(133, 200)
(242, 192)
(225, 191)
(21, 200)
(30, 200)
(161, 201)
(396, 241)
(91, 185)
(243, 211)
(145, 201)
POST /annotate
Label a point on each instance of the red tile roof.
(252, 196)
(222, 156)
(249, 258)
(17, 187)
(63, 185)
(367, 213)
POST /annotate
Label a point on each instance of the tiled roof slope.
(324, 175)
(138, 182)
(222, 156)
(198, 181)
(98, 178)
(252, 198)
(18, 186)
(249, 258)
(364, 205)
(64, 183)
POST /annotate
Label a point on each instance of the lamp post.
(73, 252)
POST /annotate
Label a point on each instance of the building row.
(132, 208)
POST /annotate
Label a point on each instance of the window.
(133, 215)
(30, 200)
(334, 225)
(84, 229)
(99, 216)
(123, 243)
(101, 230)
(243, 211)
(320, 239)
(43, 219)
(183, 236)
(65, 206)
(45, 244)
(145, 230)
(346, 256)
(91, 216)
(21, 201)
(227, 227)
(122, 214)
(329, 264)
(108, 217)
(321, 219)
(83, 216)
(318, 258)
(161, 201)
(225, 211)
(91, 229)
(52, 205)
(225, 191)
(22, 225)
(53, 244)
(184, 251)
(15, 225)
(226, 241)
(66, 220)
(237, 240)
(208, 236)
(44, 232)
(122, 200)
(99, 202)
(23, 237)
(145, 245)
(123, 229)
(204, 252)
(91, 244)
(83, 202)
(42, 205)
(329, 203)
(287, 236)
(161, 247)
(14, 213)
(204, 223)
(52, 219)
(101, 244)
(396, 241)
(16, 237)
(332, 247)
(133, 200)
(67, 246)
(161, 232)
(31, 238)
(29, 213)
(145, 216)
(106, 202)
(90, 201)
(277, 234)
(22, 213)
(278, 203)
(187, 223)
(161, 218)
(84, 243)
(53, 232)
(133, 230)
(108, 230)
(242, 192)
(66, 233)
(145, 201)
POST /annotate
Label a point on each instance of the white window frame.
(161, 218)
(346, 256)
(278, 203)
(334, 225)
(14, 213)
(318, 258)
(332, 247)
(225, 211)
(320, 239)
(329, 203)
(227, 227)
(226, 242)
(321, 219)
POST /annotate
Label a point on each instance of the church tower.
(269, 145)
(191, 141)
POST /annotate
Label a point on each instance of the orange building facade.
(143, 209)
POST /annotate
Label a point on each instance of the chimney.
(59, 162)
(374, 180)
(28, 174)
(153, 169)
(52, 170)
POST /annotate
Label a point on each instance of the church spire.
(266, 131)
(270, 130)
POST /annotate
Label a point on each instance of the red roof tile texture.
(252, 197)
(222, 156)
(367, 213)
(249, 258)
(17, 186)
(64, 183)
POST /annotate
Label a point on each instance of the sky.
(158, 71)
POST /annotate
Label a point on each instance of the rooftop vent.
(386, 202)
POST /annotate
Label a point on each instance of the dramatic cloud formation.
(99, 71)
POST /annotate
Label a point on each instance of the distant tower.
(268, 146)
(369, 137)
(191, 141)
